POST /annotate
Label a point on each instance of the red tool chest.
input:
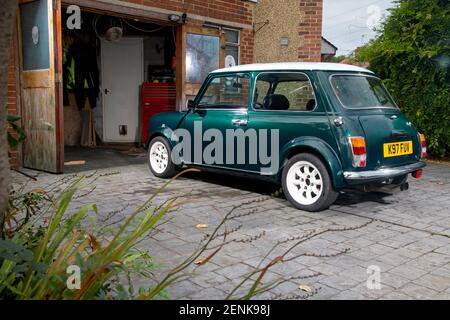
(156, 98)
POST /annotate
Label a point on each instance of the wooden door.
(203, 50)
(41, 87)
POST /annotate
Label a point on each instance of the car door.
(295, 112)
(221, 109)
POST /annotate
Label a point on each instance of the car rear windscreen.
(360, 92)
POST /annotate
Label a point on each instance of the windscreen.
(360, 92)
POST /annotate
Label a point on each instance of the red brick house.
(170, 45)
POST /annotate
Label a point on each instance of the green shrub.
(411, 54)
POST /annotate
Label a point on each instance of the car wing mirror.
(191, 105)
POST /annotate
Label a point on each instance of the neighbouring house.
(328, 50)
(287, 30)
(103, 79)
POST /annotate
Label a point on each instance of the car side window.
(261, 91)
(291, 91)
(227, 91)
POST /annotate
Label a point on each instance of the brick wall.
(12, 105)
(310, 30)
(246, 46)
(236, 11)
(274, 20)
(298, 21)
(239, 11)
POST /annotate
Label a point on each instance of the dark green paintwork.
(309, 131)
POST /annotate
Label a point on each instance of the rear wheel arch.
(321, 150)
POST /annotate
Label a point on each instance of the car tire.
(159, 158)
(307, 184)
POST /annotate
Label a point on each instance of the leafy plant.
(19, 136)
(22, 206)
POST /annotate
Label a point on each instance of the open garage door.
(41, 87)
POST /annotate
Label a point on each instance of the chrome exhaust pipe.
(404, 186)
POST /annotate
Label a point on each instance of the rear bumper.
(354, 177)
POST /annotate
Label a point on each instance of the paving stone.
(418, 292)
(408, 271)
(324, 292)
(394, 295)
(435, 282)
(393, 280)
(326, 269)
(206, 294)
(407, 253)
(374, 293)
(183, 290)
(340, 282)
(393, 258)
(348, 295)
(235, 271)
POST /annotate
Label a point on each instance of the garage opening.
(117, 72)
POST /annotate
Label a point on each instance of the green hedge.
(411, 54)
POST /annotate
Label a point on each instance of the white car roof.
(290, 66)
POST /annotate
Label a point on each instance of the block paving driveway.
(404, 235)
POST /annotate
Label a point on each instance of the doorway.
(106, 65)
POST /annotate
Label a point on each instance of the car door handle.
(239, 122)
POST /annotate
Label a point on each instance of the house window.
(202, 56)
(232, 40)
(231, 47)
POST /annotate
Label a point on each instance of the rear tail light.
(417, 174)
(359, 152)
(423, 144)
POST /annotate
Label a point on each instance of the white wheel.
(304, 183)
(158, 157)
(307, 184)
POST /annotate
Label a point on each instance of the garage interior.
(117, 72)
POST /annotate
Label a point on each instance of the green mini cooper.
(315, 128)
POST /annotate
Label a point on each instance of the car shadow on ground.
(357, 197)
(267, 188)
(237, 182)
(109, 157)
